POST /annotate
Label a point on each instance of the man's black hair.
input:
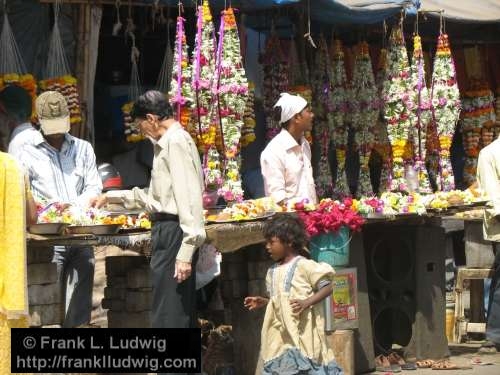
(17, 103)
(289, 229)
(152, 102)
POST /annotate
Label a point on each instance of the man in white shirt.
(17, 103)
(488, 178)
(286, 161)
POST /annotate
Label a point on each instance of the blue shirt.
(23, 134)
(67, 176)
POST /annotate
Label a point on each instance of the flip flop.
(395, 359)
(382, 364)
(426, 363)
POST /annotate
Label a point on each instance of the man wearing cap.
(286, 160)
(62, 168)
(17, 104)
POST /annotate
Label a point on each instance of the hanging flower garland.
(275, 82)
(26, 81)
(248, 129)
(181, 95)
(396, 95)
(67, 86)
(446, 109)
(365, 111)
(232, 94)
(340, 104)
(382, 143)
(421, 115)
(477, 125)
(323, 119)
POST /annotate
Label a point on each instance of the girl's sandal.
(395, 359)
(448, 365)
(426, 363)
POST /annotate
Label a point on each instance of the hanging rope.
(57, 62)
(308, 34)
(135, 84)
(165, 76)
(118, 24)
(11, 60)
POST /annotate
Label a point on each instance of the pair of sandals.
(443, 364)
(393, 362)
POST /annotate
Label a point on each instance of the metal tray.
(100, 229)
(47, 228)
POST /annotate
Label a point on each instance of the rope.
(165, 76)
(11, 60)
(57, 62)
(118, 24)
(308, 34)
(135, 83)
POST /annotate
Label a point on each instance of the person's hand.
(182, 271)
(253, 303)
(298, 305)
(99, 201)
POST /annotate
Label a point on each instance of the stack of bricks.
(128, 292)
(44, 293)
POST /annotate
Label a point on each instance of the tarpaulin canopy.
(465, 10)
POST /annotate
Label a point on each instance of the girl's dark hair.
(289, 229)
(152, 102)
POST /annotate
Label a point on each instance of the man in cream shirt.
(286, 161)
(174, 202)
(488, 178)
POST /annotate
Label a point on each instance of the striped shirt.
(23, 134)
(67, 176)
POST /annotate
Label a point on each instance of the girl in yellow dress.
(293, 339)
(14, 195)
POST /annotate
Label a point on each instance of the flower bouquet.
(340, 104)
(323, 119)
(329, 226)
(446, 105)
(365, 111)
(397, 107)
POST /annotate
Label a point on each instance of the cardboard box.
(341, 308)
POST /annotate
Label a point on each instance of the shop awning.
(465, 10)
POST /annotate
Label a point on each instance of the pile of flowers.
(397, 109)
(340, 106)
(323, 118)
(399, 203)
(446, 105)
(329, 216)
(232, 90)
(67, 86)
(369, 205)
(478, 121)
(365, 111)
(181, 95)
(421, 115)
(26, 81)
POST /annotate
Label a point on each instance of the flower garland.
(365, 111)
(382, 144)
(132, 132)
(340, 104)
(396, 93)
(477, 125)
(26, 81)
(202, 78)
(275, 82)
(232, 94)
(323, 119)
(421, 115)
(180, 94)
(248, 129)
(446, 108)
(67, 86)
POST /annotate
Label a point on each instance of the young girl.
(293, 339)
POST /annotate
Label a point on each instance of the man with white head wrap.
(286, 161)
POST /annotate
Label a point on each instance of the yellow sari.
(13, 279)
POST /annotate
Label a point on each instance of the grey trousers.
(493, 321)
(75, 270)
(174, 304)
